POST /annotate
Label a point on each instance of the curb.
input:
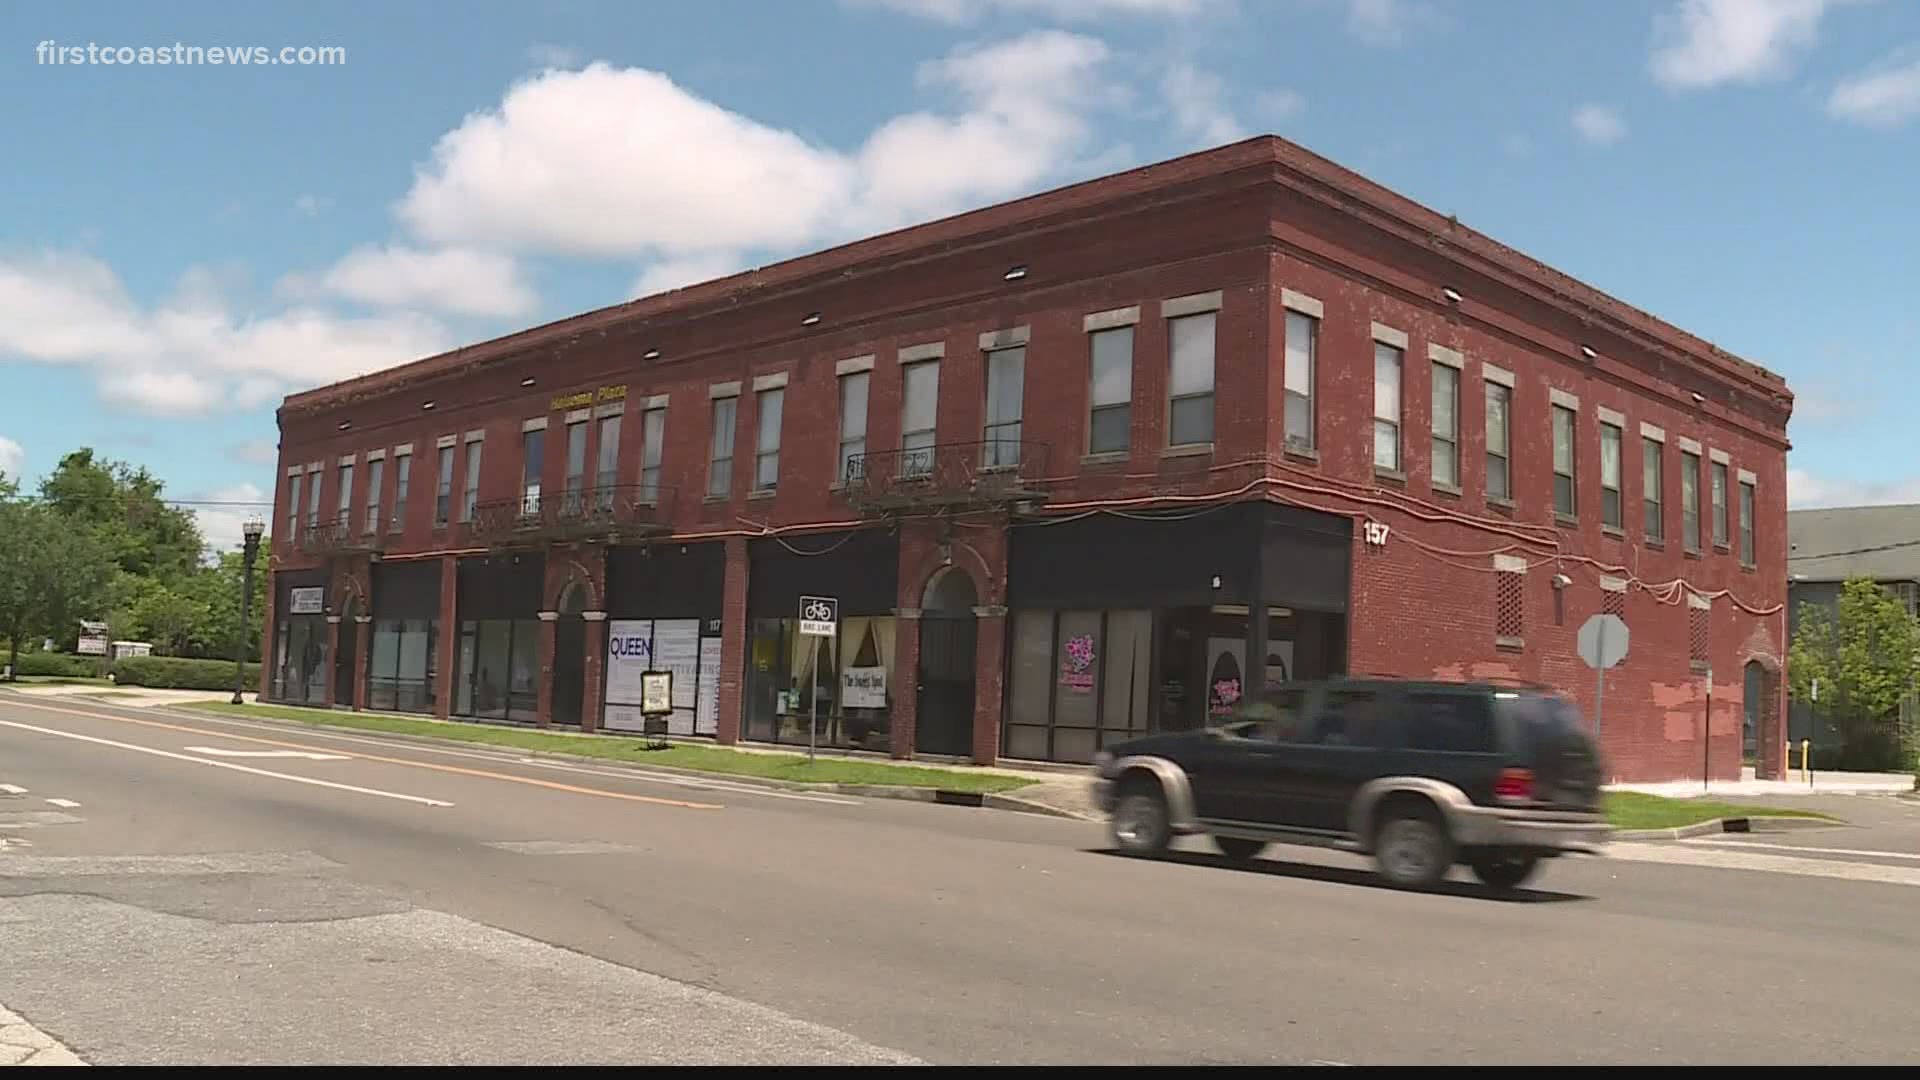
(870, 791)
(1764, 824)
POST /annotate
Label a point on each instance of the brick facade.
(1268, 228)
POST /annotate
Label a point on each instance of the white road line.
(1720, 858)
(218, 751)
(1821, 850)
(23, 1044)
(420, 800)
(67, 803)
(637, 774)
(12, 789)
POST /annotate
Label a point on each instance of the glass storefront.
(300, 654)
(853, 674)
(400, 665)
(498, 668)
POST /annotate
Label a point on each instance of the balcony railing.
(606, 514)
(338, 538)
(946, 476)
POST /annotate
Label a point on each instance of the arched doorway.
(346, 642)
(1759, 730)
(570, 656)
(943, 714)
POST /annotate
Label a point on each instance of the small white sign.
(1376, 533)
(656, 693)
(819, 616)
(864, 688)
(306, 601)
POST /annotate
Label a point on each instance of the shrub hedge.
(180, 673)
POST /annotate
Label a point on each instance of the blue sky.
(187, 243)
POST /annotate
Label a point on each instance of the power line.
(1896, 545)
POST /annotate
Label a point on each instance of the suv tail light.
(1514, 785)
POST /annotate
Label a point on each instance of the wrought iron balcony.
(594, 514)
(946, 476)
(343, 537)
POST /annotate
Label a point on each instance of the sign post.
(1602, 643)
(656, 702)
(819, 617)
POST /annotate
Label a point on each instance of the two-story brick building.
(1078, 466)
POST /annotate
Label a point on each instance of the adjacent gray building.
(1824, 549)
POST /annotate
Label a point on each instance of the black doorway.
(943, 721)
(569, 660)
(344, 658)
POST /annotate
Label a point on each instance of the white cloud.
(956, 12)
(1279, 106)
(190, 354)
(547, 55)
(13, 459)
(454, 280)
(1599, 125)
(221, 526)
(1806, 490)
(1883, 98)
(622, 162)
(310, 205)
(1389, 22)
(1198, 100)
(690, 270)
(1705, 43)
(256, 452)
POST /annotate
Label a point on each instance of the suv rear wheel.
(1411, 847)
(1501, 869)
(1140, 822)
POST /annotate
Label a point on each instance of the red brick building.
(1076, 467)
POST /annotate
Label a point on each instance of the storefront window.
(499, 659)
(1080, 681)
(852, 672)
(400, 666)
(299, 668)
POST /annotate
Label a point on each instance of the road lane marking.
(202, 864)
(66, 803)
(1720, 858)
(418, 799)
(455, 769)
(217, 751)
(13, 789)
(25, 1044)
(562, 847)
(1819, 850)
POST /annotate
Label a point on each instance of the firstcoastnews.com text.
(53, 53)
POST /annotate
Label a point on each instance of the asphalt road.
(170, 894)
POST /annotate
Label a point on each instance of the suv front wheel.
(1411, 848)
(1140, 820)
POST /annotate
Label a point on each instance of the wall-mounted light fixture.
(1015, 274)
(1587, 351)
(650, 354)
(812, 319)
(344, 425)
(1453, 297)
(528, 381)
(426, 404)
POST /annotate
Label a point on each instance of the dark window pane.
(1457, 723)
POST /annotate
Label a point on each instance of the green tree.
(50, 575)
(1863, 656)
(170, 618)
(122, 506)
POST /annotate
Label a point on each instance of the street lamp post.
(252, 530)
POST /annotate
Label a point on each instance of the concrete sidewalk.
(1823, 783)
(139, 697)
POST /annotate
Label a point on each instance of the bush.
(179, 673)
(64, 665)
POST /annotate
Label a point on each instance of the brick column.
(905, 676)
(362, 633)
(733, 644)
(596, 658)
(333, 653)
(543, 700)
(447, 648)
(989, 650)
(268, 640)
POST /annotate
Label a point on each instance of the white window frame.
(1387, 355)
(766, 444)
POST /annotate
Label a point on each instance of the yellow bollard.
(1806, 761)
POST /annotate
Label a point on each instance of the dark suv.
(1421, 775)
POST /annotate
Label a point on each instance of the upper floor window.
(853, 419)
(402, 485)
(1386, 406)
(1446, 426)
(1610, 509)
(1689, 500)
(1303, 346)
(653, 442)
(1746, 523)
(720, 456)
(343, 512)
(606, 469)
(1652, 493)
(576, 478)
(376, 479)
(293, 504)
(768, 406)
(443, 487)
(1499, 448)
(1110, 390)
(1565, 487)
(1190, 382)
(919, 409)
(1719, 504)
(533, 464)
(470, 497)
(314, 476)
(1006, 388)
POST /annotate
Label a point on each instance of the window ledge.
(1304, 453)
(1614, 531)
(1569, 520)
(1748, 568)
(1512, 644)
(1656, 543)
(1722, 549)
(762, 494)
(1394, 475)
(1443, 488)
(1105, 457)
(1498, 503)
(715, 500)
(1188, 450)
(1690, 553)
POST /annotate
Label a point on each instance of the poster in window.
(1076, 663)
(629, 655)
(706, 711)
(1279, 663)
(676, 648)
(306, 601)
(863, 688)
(1225, 664)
